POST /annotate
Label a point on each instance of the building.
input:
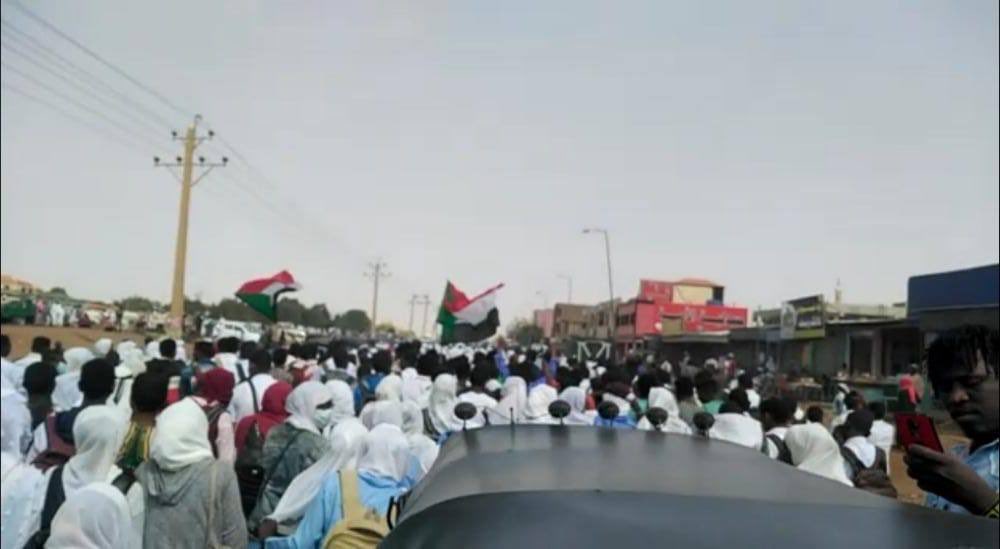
(543, 319)
(671, 308)
(569, 321)
(941, 301)
(12, 286)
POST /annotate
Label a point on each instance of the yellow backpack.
(359, 527)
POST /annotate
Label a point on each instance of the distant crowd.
(136, 444)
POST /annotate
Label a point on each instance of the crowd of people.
(135, 445)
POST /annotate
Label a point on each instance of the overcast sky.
(773, 146)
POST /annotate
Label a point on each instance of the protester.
(477, 396)
(294, 445)
(883, 433)
(368, 381)
(815, 451)
(273, 412)
(578, 413)
(423, 450)
(662, 398)
(733, 425)
(346, 443)
(191, 499)
(417, 381)
(865, 464)
(9, 371)
(202, 358)
(249, 395)
(539, 399)
(96, 517)
(745, 381)
(53, 440)
(962, 367)
(380, 477)
(67, 394)
(228, 359)
(709, 392)
(686, 399)
(814, 414)
(20, 505)
(390, 388)
(852, 403)
(304, 366)
(775, 417)
(39, 383)
(513, 403)
(215, 392)
(148, 398)
(439, 418)
(343, 401)
(40, 347)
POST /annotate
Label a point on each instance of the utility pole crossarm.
(376, 271)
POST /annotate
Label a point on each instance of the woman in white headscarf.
(513, 402)
(96, 517)
(390, 388)
(343, 401)
(382, 411)
(192, 500)
(346, 440)
(660, 397)
(20, 503)
(738, 429)
(416, 387)
(441, 409)
(102, 347)
(423, 449)
(67, 393)
(814, 450)
(293, 446)
(578, 413)
(539, 398)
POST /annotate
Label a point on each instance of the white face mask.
(323, 418)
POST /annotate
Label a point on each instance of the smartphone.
(917, 429)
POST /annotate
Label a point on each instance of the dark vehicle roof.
(551, 486)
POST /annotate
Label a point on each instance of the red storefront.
(679, 307)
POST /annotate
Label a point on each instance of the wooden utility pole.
(187, 181)
(376, 272)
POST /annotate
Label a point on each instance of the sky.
(775, 147)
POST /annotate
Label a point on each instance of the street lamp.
(569, 286)
(612, 321)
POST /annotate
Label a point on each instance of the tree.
(291, 310)
(59, 290)
(317, 316)
(525, 332)
(138, 304)
(385, 327)
(232, 309)
(354, 320)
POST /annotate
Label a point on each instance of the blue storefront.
(940, 301)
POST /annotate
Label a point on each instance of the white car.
(231, 328)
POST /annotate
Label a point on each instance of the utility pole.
(426, 302)
(414, 300)
(376, 272)
(569, 286)
(187, 181)
(613, 312)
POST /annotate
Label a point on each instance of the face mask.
(61, 368)
(323, 418)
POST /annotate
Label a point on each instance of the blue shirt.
(370, 382)
(326, 509)
(501, 362)
(985, 461)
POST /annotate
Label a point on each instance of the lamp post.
(612, 320)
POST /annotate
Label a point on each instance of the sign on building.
(803, 318)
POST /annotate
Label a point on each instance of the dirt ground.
(21, 336)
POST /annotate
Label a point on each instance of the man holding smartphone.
(962, 365)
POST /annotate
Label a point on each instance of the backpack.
(874, 479)
(784, 454)
(249, 472)
(57, 452)
(55, 495)
(359, 527)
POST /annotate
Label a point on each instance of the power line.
(78, 104)
(36, 46)
(96, 56)
(96, 129)
(105, 100)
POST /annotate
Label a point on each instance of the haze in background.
(771, 146)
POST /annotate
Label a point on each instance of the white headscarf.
(442, 404)
(738, 429)
(382, 411)
(102, 347)
(67, 393)
(390, 388)
(577, 400)
(539, 399)
(421, 445)
(416, 388)
(346, 441)
(97, 516)
(152, 350)
(134, 360)
(15, 422)
(302, 404)
(514, 397)
(386, 453)
(181, 436)
(98, 432)
(660, 397)
(814, 450)
(125, 346)
(343, 400)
